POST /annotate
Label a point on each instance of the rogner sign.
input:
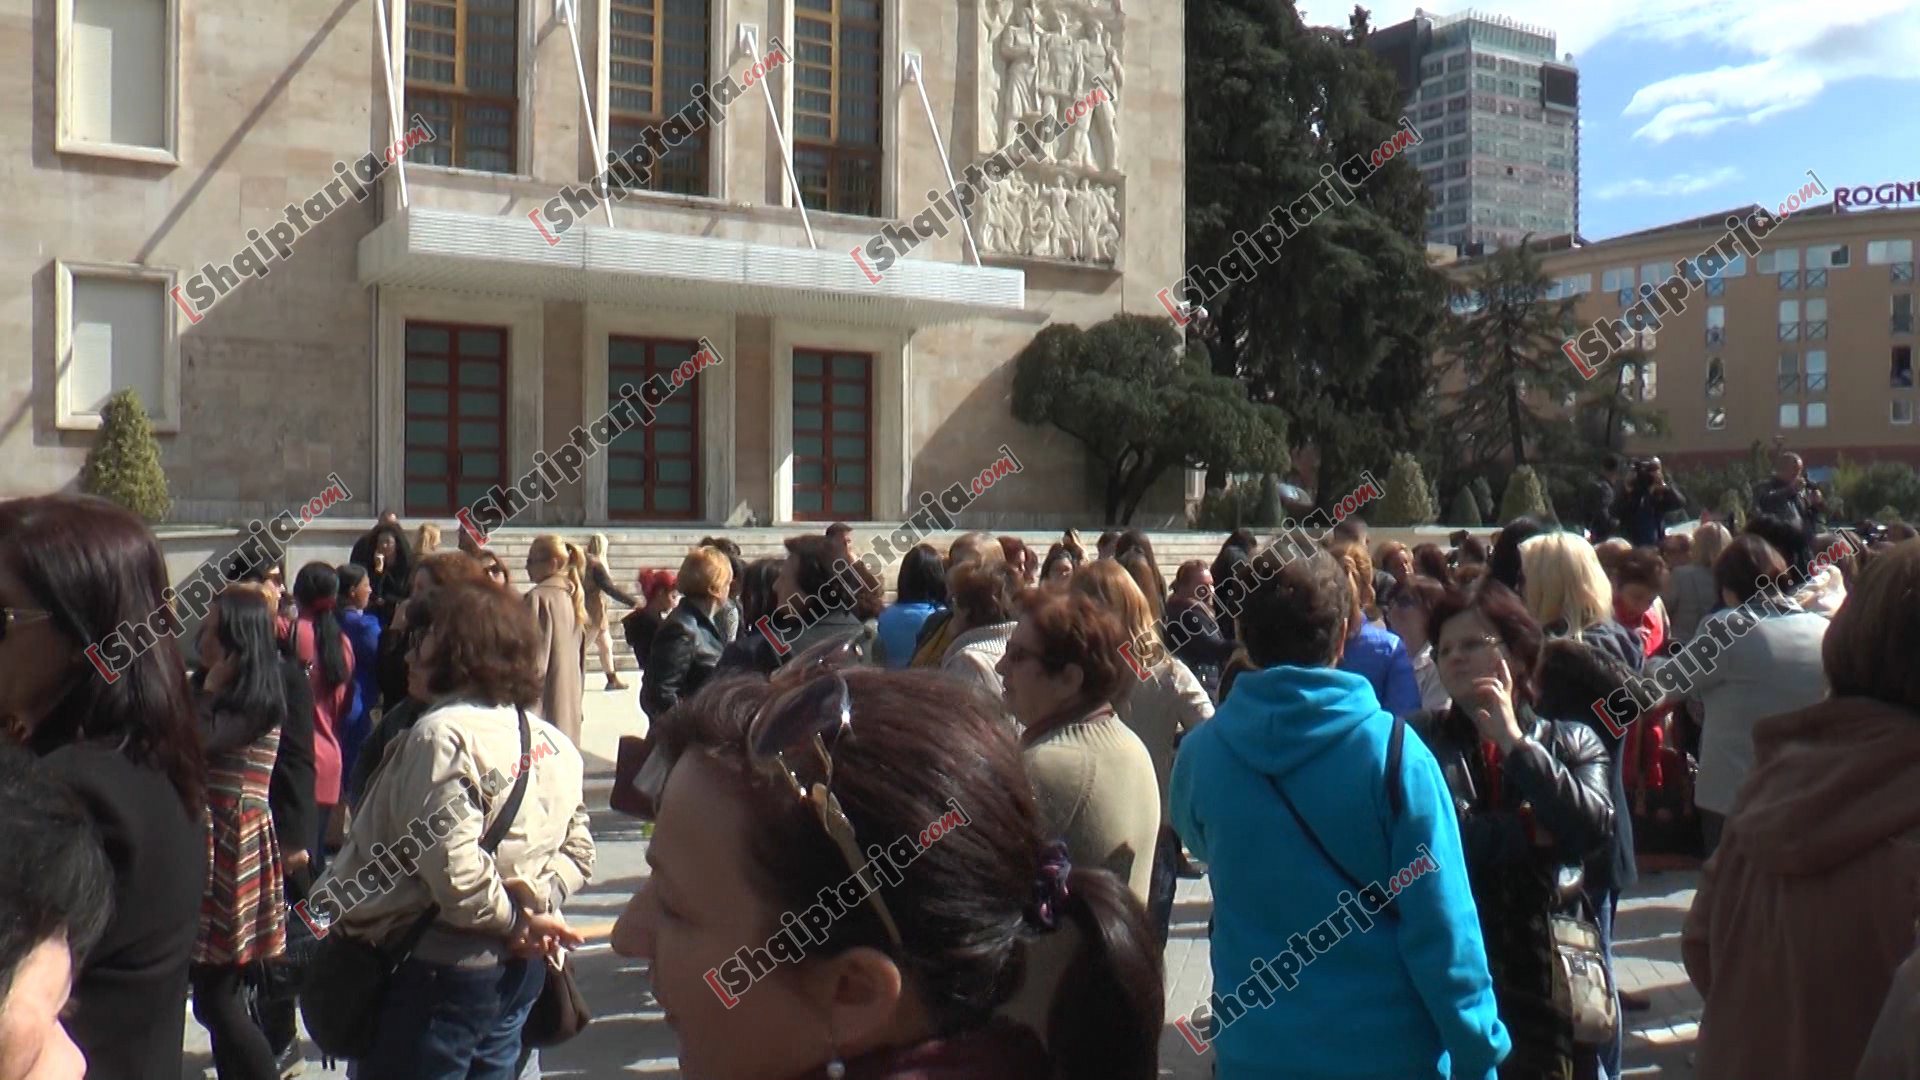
(1863, 196)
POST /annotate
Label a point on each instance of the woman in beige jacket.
(558, 603)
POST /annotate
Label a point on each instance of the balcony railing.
(1901, 324)
(1626, 297)
(1789, 383)
(1716, 335)
(1816, 330)
(1900, 271)
(1817, 384)
(1716, 286)
(1816, 279)
(1789, 280)
(1789, 331)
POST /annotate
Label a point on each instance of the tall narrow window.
(1817, 414)
(653, 471)
(1789, 320)
(456, 408)
(463, 77)
(1902, 320)
(1816, 319)
(659, 50)
(832, 435)
(1789, 373)
(1716, 377)
(117, 77)
(1790, 416)
(1900, 372)
(1816, 371)
(837, 105)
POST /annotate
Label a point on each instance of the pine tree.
(1524, 497)
(124, 465)
(1465, 512)
(1407, 501)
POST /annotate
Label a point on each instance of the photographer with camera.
(1648, 501)
(1789, 497)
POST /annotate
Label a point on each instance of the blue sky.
(1693, 106)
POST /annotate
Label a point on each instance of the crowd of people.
(1051, 741)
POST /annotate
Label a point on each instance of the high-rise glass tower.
(1501, 122)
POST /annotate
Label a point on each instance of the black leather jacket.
(1561, 770)
(685, 650)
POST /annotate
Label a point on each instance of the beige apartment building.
(194, 214)
(1806, 347)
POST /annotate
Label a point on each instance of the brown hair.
(486, 644)
(1430, 560)
(707, 573)
(1875, 637)
(1642, 566)
(1301, 616)
(1139, 565)
(1503, 610)
(452, 567)
(1748, 565)
(1359, 566)
(1108, 584)
(1076, 629)
(985, 594)
(921, 745)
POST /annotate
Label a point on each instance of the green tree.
(1503, 348)
(1336, 330)
(1524, 496)
(1141, 406)
(1881, 484)
(1407, 502)
(1465, 511)
(124, 464)
(1732, 509)
(1483, 494)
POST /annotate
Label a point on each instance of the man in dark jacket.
(1648, 501)
(1602, 509)
(1790, 498)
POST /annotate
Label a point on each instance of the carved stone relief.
(1046, 214)
(1041, 56)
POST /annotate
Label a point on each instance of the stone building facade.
(195, 215)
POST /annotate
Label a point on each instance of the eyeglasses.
(11, 615)
(1472, 647)
(793, 737)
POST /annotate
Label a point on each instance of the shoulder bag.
(1582, 985)
(345, 987)
(1396, 801)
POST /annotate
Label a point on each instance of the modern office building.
(1807, 347)
(1501, 120)
(190, 215)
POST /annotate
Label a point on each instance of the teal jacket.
(1405, 999)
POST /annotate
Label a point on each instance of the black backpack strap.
(1396, 788)
(523, 765)
(1391, 911)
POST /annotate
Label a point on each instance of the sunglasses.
(793, 738)
(9, 616)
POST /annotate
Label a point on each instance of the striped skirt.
(243, 915)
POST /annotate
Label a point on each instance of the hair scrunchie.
(1050, 886)
(321, 605)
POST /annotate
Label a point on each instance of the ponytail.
(577, 580)
(1106, 1016)
(317, 588)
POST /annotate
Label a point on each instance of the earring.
(836, 1068)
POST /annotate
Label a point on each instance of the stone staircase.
(631, 550)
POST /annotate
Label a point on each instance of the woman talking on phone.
(1531, 795)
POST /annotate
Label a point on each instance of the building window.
(456, 408)
(1736, 267)
(114, 332)
(118, 78)
(1817, 414)
(1716, 287)
(653, 471)
(1616, 279)
(1902, 320)
(1816, 319)
(1716, 324)
(1432, 110)
(463, 77)
(832, 435)
(1790, 416)
(1815, 279)
(1900, 411)
(657, 53)
(1896, 255)
(1716, 377)
(1789, 320)
(1827, 256)
(1816, 371)
(1654, 273)
(1900, 371)
(837, 105)
(1789, 380)
(1716, 418)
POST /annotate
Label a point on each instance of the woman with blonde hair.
(687, 646)
(558, 602)
(1372, 651)
(1166, 701)
(600, 586)
(1691, 595)
(426, 539)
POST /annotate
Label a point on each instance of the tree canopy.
(1141, 405)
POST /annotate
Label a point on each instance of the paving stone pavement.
(629, 1036)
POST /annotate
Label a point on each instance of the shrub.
(1524, 496)
(1407, 501)
(1465, 511)
(124, 465)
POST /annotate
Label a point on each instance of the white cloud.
(1791, 51)
(1676, 185)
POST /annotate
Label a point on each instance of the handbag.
(345, 986)
(639, 776)
(1582, 983)
(560, 1012)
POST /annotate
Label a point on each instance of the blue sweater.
(1402, 1001)
(898, 626)
(363, 634)
(1379, 657)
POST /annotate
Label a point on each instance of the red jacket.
(330, 708)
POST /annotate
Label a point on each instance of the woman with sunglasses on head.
(241, 704)
(456, 1007)
(73, 570)
(1531, 795)
(978, 954)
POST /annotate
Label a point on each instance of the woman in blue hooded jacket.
(1345, 941)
